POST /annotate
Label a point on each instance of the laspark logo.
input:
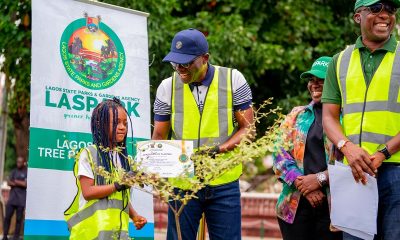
(92, 53)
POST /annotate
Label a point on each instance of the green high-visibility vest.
(100, 219)
(213, 126)
(371, 113)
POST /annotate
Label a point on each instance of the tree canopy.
(271, 42)
(15, 50)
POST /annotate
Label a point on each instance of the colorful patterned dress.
(288, 164)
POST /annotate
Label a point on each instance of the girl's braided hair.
(100, 125)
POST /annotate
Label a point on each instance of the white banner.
(81, 53)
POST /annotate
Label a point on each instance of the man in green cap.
(362, 83)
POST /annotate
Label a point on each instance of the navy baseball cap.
(186, 46)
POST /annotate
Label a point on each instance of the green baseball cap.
(318, 68)
(366, 3)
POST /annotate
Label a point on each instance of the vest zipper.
(362, 113)
(201, 115)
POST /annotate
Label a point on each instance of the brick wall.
(258, 215)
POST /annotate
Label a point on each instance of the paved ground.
(11, 237)
(161, 235)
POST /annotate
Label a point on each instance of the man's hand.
(11, 183)
(120, 187)
(20, 183)
(211, 152)
(139, 221)
(377, 159)
(315, 198)
(307, 184)
(359, 161)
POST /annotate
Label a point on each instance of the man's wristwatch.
(322, 179)
(341, 144)
(383, 149)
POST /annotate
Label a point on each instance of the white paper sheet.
(354, 206)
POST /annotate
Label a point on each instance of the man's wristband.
(383, 149)
(342, 143)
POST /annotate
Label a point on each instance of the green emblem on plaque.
(183, 158)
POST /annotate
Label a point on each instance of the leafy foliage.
(208, 167)
(15, 47)
(271, 42)
(15, 51)
(10, 158)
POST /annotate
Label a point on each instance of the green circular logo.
(183, 158)
(92, 53)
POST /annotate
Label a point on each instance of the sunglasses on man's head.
(378, 7)
(184, 65)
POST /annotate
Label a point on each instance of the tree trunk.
(178, 226)
(21, 128)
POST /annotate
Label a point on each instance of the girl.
(102, 207)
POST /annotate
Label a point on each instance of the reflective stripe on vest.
(99, 218)
(102, 204)
(371, 113)
(107, 235)
(213, 126)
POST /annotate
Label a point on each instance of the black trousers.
(309, 223)
(9, 213)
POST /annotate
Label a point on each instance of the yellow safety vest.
(211, 127)
(100, 219)
(371, 113)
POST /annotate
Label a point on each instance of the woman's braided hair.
(100, 124)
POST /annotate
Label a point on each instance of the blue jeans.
(221, 206)
(347, 236)
(389, 204)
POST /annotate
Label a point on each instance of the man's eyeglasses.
(184, 65)
(378, 7)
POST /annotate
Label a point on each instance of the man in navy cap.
(209, 105)
(362, 83)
